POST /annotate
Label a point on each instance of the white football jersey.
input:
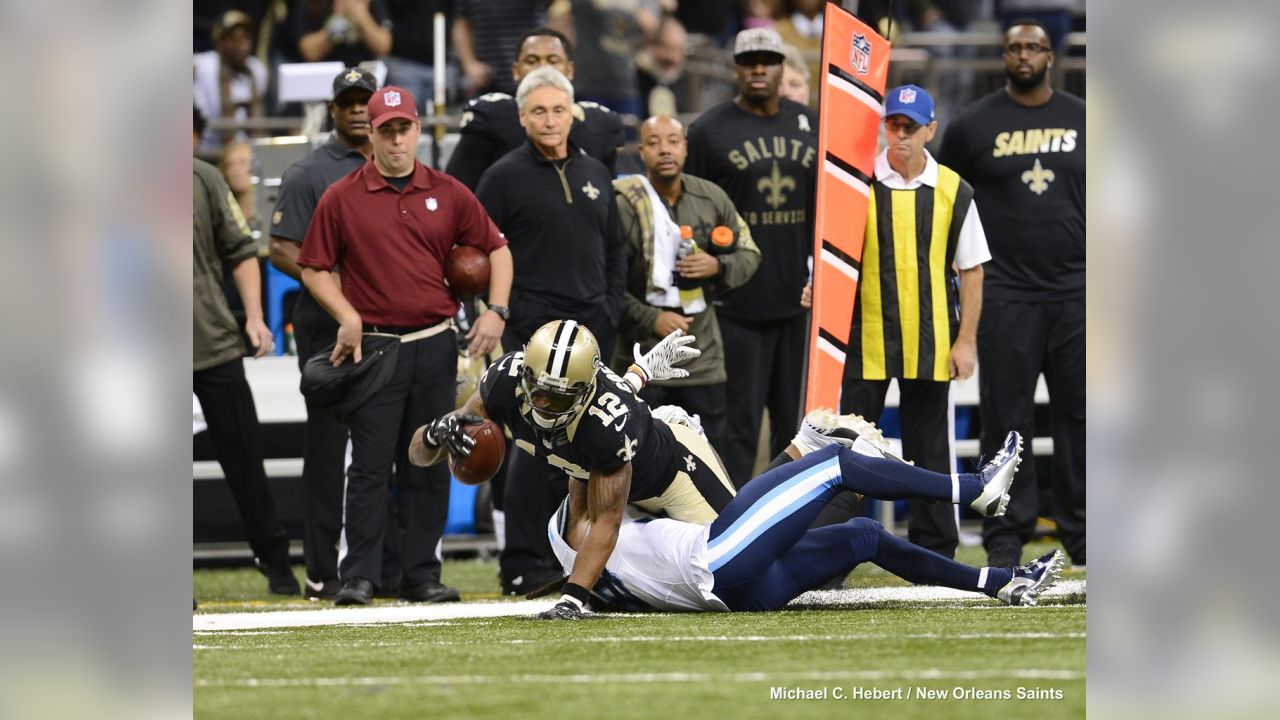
(657, 564)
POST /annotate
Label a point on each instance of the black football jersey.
(613, 428)
(596, 129)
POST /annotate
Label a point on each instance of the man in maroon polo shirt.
(389, 226)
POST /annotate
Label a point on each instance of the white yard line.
(290, 640)
(643, 678)
(404, 613)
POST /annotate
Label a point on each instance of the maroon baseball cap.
(392, 102)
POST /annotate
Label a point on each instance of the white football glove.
(660, 362)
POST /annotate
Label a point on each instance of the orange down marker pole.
(855, 63)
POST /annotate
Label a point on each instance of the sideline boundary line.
(402, 613)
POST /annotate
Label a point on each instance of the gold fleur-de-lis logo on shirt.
(1037, 178)
(775, 185)
(591, 190)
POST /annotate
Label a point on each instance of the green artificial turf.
(715, 666)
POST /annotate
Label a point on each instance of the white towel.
(666, 240)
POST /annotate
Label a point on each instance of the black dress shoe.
(326, 590)
(280, 579)
(429, 591)
(356, 591)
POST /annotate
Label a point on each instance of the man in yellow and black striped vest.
(911, 322)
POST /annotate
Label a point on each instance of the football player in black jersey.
(562, 404)
(491, 123)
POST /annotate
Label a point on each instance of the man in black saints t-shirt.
(1022, 148)
(762, 149)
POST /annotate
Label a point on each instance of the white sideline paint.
(641, 678)
(363, 615)
(456, 611)
(919, 593)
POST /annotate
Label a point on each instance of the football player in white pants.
(760, 553)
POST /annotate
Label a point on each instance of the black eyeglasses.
(1017, 49)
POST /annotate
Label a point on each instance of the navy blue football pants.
(763, 553)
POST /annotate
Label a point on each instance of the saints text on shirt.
(777, 147)
(1034, 141)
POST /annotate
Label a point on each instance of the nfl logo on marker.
(860, 54)
(907, 95)
(393, 98)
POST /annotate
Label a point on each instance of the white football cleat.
(822, 427)
(997, 476)
(1031, 579)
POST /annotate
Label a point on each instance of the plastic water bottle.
(687, 247)
(290, 345)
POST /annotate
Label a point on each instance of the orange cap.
(722, 236)
(686, 232)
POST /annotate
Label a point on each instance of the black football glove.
(448, 431)
(564, 610)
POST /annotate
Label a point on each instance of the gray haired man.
(555, 204)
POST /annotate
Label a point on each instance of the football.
(485, 458)
(467, 271)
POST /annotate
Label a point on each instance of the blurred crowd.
(745, 164)
(631, 55)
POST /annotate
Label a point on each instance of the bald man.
(669, 289)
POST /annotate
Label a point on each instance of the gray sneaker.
(997, 476)
(1031, 579)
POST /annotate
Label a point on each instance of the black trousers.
(1016, 343)
(708, 402)
(421, 389)
(533, 489)
(232, 421)
(765, 364)
(324, 452)
(926, 439)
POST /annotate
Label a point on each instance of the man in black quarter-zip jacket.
(555, 205)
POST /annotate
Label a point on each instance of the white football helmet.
(559, 373)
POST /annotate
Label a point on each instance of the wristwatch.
(503, 312)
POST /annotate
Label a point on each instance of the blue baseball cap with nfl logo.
(910, 100)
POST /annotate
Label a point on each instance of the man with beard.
(1022, 148)
(667, 291)
(491, 124)
(762, 150)
(324, 446)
